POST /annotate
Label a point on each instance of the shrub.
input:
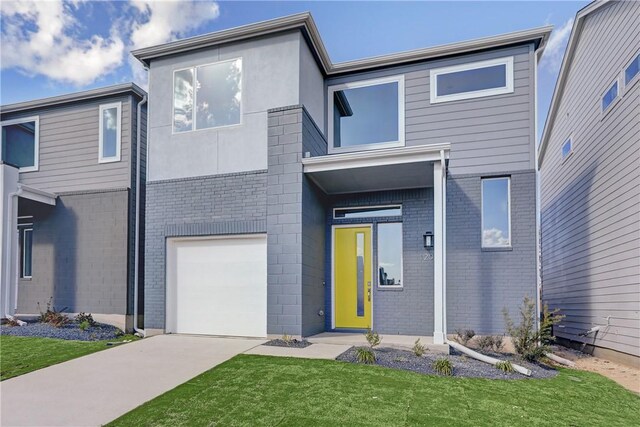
(52, 316)
(12, 322)
(498, 343)
(464, 336)
(443, 367)
(529, 343)
(85, 317)
(489, 343)
(418, 348)
(84, 325)
(287, 339)
(372, 338)
(365, 355)
(505, 366)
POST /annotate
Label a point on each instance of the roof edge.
(74, 97)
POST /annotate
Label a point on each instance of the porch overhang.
(378, 170)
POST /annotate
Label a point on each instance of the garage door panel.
(220, 286)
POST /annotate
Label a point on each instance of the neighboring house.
(70, 174)
(590, 184)
(288, 194)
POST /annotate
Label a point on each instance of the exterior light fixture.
(428, 240)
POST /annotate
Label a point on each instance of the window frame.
(401, 285)
(509, 87)
(635, 78)
(615, 100)
(195, 94)
(400, 142)
(36, 145)
(101, 157)
(570, 141)
(343, 208)
(490, 178)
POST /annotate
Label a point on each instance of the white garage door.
(217, 286)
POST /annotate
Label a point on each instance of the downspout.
(443, 183)
(136, 266)
(536, 57)
(11, 282)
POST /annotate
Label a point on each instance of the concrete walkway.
(96, 389)
(315, 351)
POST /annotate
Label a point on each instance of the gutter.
(136, 266)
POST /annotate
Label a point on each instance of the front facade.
(72, 166)
(287, 194)
(590, 185)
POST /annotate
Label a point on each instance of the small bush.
(287, 339)
(464, 336)
(505, 366)
(52, 316)
(365, 355)
(84, 325)
(418, 348)
(12, 322)
(529, 343)
(372, 338)
(498, 343)
(443, 367)
(85, 317)
(490, 343)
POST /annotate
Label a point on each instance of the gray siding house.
(288, 194)
(73, 174)
(590, 184)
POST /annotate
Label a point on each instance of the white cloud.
(38, 38)
(494, 237)
(553, 53)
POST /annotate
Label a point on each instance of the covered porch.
(360, 184)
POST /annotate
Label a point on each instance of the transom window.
(472, 80)
(20, 139)
(366, 115)
(610, 95)
(567, 148)
(632, 70)
(367, 212)
(496, 212)
(110, 133)
(390, 254)
(207, 96)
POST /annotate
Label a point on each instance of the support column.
(8, 238)
(439, 251)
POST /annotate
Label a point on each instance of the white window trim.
(367, 207)
(570, 140)
(482, 180)
(116, 158)
(24, 253)
(377, 268)
(635, 78)
(365, 83)
(435, 72)
(194, 68)
(36, 145)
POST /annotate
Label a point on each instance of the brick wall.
(210, 205)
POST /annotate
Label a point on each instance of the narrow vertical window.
(610, 96)
(26, 243)
(110, 130)
(183, 100)
(390, 254)
(360, 274)
(632, 70)
(496, 212)
(567, 149)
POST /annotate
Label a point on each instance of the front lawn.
(261, 390)
(20, 355)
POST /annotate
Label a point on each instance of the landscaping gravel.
(67, 332)
(293, 344)
(463, 366)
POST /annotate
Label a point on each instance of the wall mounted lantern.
(428, 240)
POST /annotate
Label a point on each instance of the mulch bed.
(463, 366)
(70, 331)
(292, 344)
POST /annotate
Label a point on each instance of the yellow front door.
(352, 275)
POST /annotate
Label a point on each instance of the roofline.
(305, 23)
(558, 91)
(73, 97)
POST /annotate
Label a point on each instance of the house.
(72, 166)
(288, 194)
(589, 160)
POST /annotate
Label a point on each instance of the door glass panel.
(360, 273)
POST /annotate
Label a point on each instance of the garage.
(217, 286)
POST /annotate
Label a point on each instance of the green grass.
(259, 390)
(20, 355)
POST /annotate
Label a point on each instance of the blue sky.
(55, 47)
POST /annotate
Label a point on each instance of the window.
(366, 115)
(610, 96)
(390, 254)
(371, 211)
(20, 143)
(567, 149)
(474, 80)
(207, 96)
(496, 212)
(110, 133)
(632, 70)
(26, 243)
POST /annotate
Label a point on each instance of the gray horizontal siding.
(590, 203)
(68, 156)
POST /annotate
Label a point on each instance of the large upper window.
(366, 115)
(632, 70)
(496, 212)
(609, 96)
(207, 96)
(110, 125)
(390, 254)
(20, 143)
(473, 80)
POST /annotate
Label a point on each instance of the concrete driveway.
(96, 389)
